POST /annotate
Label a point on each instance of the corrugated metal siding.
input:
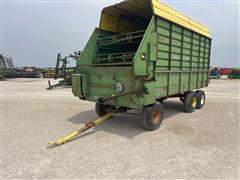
(182, 58)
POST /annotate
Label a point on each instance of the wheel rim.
(202, 100)
(155, 116)
(194, 102)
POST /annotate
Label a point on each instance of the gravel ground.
(199, 145)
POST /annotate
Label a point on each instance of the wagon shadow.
(125, 125)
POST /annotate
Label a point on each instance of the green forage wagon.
(143, 53)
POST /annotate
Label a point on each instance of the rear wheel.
(102, 109)
(200, 99)
(152, 116)
(190, 101)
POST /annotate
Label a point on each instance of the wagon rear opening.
(118, 48)
(122, 28)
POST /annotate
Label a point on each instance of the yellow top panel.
(166, 12)
(123, 17)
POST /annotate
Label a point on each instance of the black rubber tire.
(190, 101)
(201, 98)
(161, 100)
(102, 109)
(182, 96)
(181, 99)
(148, 120)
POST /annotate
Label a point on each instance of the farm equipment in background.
(3, 68)
(7, 70)
(235, 73)
(6, 67)
(48, 72)
(28, 72)
(62, 71)
(225, 71)
(215, 73)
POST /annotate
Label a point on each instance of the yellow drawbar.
(122, 17)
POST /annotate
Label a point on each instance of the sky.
(33, 32)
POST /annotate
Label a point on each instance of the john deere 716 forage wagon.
(143, 53)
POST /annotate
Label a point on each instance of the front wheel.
(102, 109)
(152, 116)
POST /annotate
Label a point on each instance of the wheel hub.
(194, 102)
(155, 116)
(202, 99)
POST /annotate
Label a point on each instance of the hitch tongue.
(88, 125)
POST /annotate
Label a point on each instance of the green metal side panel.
(148, 46)
(80, 85)
(101, 83)
(182, 61)
(90, 50)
